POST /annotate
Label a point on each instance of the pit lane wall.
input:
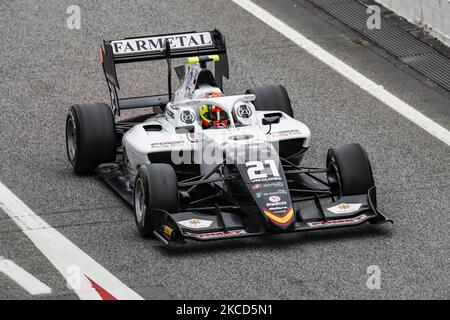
(433, 15)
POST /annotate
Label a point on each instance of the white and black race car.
(208, 166)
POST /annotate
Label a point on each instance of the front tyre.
(349, 170)
(271, 97)
(90, 136)
(156, 187)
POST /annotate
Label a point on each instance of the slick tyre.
(349, 170)
(90, 136)
(156, 187)
(272, 97)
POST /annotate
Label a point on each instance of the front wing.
(217, 224)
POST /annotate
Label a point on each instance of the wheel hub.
(71, 135)
(139, 202)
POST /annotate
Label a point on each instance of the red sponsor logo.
(220, 234)
(166, 144)
(338, 222)
(275, 199)
(285, 133)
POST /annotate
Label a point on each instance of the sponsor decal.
(267, 180)
(215, 235)
(275, 199)
(281, 211)
(189, 80)
(151, 44)
(248, 98)
(273, 185)
(187, 117)
(284, 220)
(278, 209)
(285, 133)
(272, 195)
(170, 113)
(345, 208)
(277, 204)
(244, 111)
(257, 186)
(337, 222)
(196, 223)
(166, 144)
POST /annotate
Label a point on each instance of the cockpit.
(217, 117)
(218, 111)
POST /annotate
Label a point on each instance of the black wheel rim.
(139, 202)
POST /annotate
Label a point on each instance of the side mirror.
(271, 120)
(185, 129)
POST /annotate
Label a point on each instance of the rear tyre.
(272, 97)
(349, 170)
(90, 136)
(156, 187)
(276, 98)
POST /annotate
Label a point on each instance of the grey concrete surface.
(45, 67)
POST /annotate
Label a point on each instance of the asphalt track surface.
(45, 67)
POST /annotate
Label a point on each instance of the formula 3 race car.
(206, 166)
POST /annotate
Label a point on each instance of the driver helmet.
(212, 115)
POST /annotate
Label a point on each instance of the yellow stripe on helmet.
(204, 114)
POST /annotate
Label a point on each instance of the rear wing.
(160, 47)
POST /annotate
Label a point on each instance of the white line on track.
(348, 72)
(24, 279)
(79, 269)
